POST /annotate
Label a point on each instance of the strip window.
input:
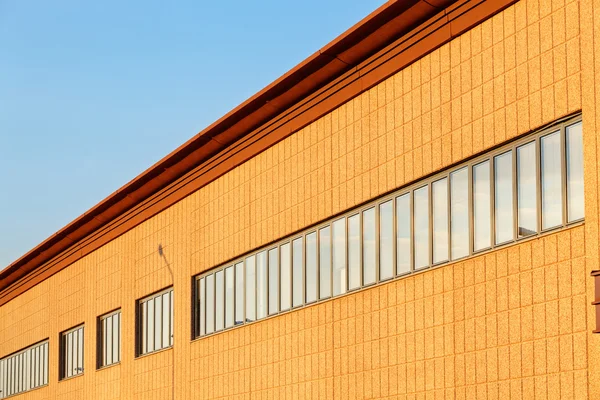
(155, 319)
(109, 339)
(520, 190)
(71, 352)
(24, 370)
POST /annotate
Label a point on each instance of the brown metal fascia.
(121, 209)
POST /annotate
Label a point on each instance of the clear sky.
(93, 93)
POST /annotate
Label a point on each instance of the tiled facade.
(513, 323)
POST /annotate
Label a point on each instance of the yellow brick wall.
(514, 323)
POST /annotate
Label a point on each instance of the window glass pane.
(286, 277)
(210, 303)
(239, 293)
(574, 150)
(116, 334)
(202, 310)
(69, 355)
(273, 281)
(503, 197)
(551, 181)
(527, 190)
(261, 284)
(459, 213)
(251, 289)
(325, 262)
(421, 210)
(144, 323)
(158, 323)
(80, 353)
(339, 256)
(354, 252)
(386, 240)
(108, 350)
(311, 267)
(167, 322)
(229, 306)
(481, 206)
(369, 255)
(403, 234)
(172, 315)
(298, 264)
(219, 301)
(440, 220)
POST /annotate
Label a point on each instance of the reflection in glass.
(286, 277)
(369, 255)
(503, 197)
(459, 213)
(239, 293)
(403, 234)
(201, 310)
(551, 180)
(311, 267)
(229, 306)
(325, 262)
(439, 191)
(481, 206)
(273, 281)
(339, 256)
(210, 304)
(421, 211)
(354, 252)
(526, 190)
(251, 289)
(297, 266)
(261, 285)
(219, 301)
(574, 150)
(386, 240)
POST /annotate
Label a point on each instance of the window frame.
(62, 361)
(409, 190)
(37, 351)
(138, 321)
(100, 338)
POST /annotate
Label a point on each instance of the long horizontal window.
(25, 370)
(517, 191)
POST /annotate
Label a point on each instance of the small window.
(109, 339)
(71, 352)
(155, 320)
(24, 370)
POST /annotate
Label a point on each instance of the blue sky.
(93, 93)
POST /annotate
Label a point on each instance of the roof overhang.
(393, 36)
